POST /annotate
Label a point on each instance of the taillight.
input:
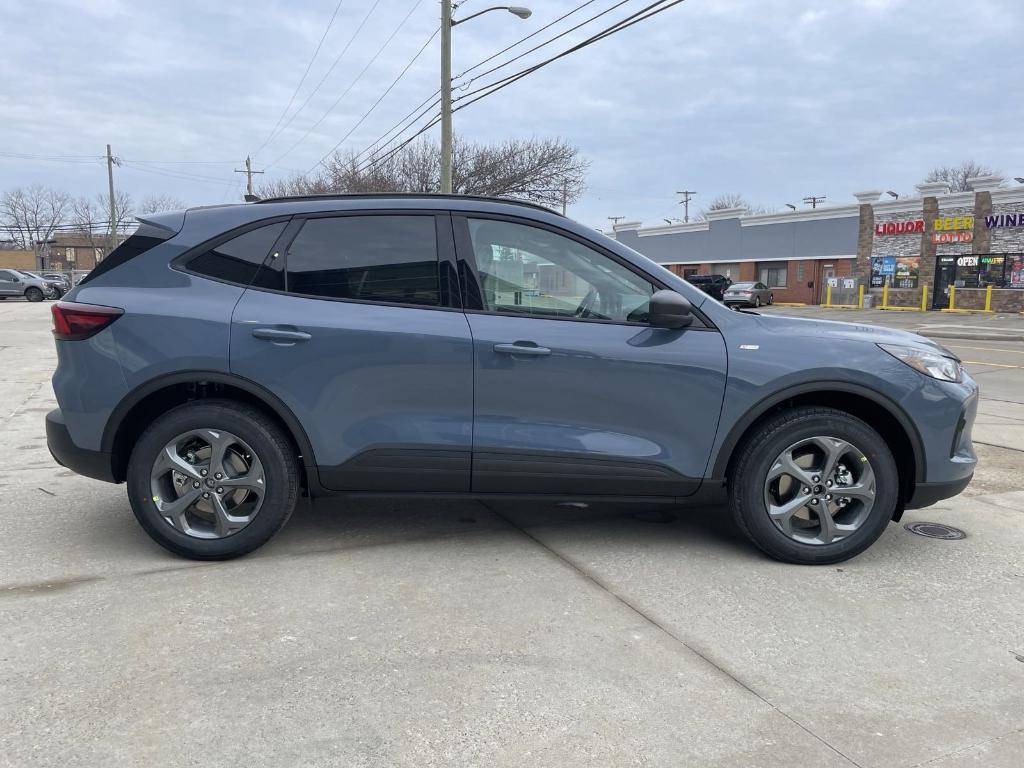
(74, 322)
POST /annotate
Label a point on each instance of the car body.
(222, 358)
(17, 282)
(61, 279)
(714, 286)
(57, 286)
(748, 294)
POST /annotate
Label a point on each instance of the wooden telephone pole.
(250, 196)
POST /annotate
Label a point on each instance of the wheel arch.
(884, 415)
(154, 397)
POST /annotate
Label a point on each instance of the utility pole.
(685, 202)
(615, 220)
(565, 195)
(110, 194)
(250, 196)
(446, 97)
(813, 200)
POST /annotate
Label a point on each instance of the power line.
(351, 85)
(327, 74)
(636, 18)
(527, 37)
(379, 100)
(375, 160)
(302, 79)
(171, 174)
(541, 45)
(418, 108)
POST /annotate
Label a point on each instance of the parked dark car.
(224, 360)
(59, 278)
(748, 295)
(713, 285)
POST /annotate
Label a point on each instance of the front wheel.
(213, 479)
(813, 486)
(34, 294)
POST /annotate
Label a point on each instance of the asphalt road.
(421, 634)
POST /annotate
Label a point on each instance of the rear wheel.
(771, 299)
(814, 486)
(757, 301)
(33, 294)
(213, 479)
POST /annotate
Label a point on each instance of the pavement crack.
(969, 747)
(624, 601)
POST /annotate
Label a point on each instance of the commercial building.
(917, 247)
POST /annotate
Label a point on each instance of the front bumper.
(95, 464)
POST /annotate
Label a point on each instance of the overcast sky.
(772, 99)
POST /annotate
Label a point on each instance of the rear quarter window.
(239, 260)
(145, 237)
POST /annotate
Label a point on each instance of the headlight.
(928, 362)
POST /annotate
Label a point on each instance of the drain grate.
(935, 530)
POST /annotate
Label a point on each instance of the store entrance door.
(945, 274)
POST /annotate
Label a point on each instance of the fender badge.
(750, 346)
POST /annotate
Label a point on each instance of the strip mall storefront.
(914, 250)
(968, 241)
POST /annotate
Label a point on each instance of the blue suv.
(225, 360)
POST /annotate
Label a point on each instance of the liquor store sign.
(945, 229)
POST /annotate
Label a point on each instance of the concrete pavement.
(430, 633)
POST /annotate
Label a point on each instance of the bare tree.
(30, 215)
(545, 171)
(159, 203)
(956, 176)
(733, 200)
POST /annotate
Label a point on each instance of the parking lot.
(458, 633)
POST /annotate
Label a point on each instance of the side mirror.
(669, 310)
(15, 279)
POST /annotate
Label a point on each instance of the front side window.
(239, 259)
(6, 276)
(526, 270)
(385, 258)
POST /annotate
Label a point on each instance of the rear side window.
(239, 259)
(144, 238)
(370, 258)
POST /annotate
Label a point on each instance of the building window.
(1000, 270)
(799, 271)
(774, 277)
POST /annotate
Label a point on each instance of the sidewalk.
(998, 326)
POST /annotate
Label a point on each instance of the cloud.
(775, 99)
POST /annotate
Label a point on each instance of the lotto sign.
(940, 238)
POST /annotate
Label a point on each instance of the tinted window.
(6, 276)
(238, 260)
(532, 271)
(371, 258)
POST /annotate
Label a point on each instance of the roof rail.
(411, 195)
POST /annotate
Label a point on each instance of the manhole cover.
(935, 530)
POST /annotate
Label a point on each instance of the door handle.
(522, 348)
(279, 335)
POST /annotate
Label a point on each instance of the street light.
(446, 80)
(1019, 179)
(894, 195)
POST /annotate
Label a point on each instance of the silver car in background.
(14, 282)
(748, 295)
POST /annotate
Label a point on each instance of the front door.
(357, 337)
(945, 275)
(8, 286)
(574, 394)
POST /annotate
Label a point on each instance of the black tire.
(33, 294)
(771, 299)
(755, 459)
(270, 443)
(757, 302)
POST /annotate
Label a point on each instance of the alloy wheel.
(208, 483)
(820, 490)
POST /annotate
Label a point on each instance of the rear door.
(574, 392)
(353, 325)
(7, 285)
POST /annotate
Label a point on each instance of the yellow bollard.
(860, 296)
(828, 295)
(885, 296)
(952, 298)
(924, 297)
(988, 298)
